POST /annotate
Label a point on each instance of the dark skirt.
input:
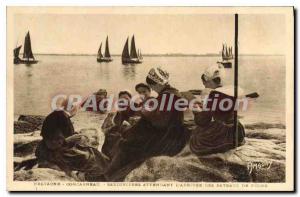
(110, 144)
(144, 141)
(216, 137)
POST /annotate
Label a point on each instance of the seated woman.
(63, 148)
(100, 96)
(124, 117)
(160, 131)
(115, 124)
(144, 91)
(215, 132)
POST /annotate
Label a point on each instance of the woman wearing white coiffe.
(159, 131)
(215, 130)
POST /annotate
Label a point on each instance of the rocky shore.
(261, 159)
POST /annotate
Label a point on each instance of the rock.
(41, 174)
(258, 160)
(24, 127)
(28, 123)
(262, 125)
(35, 120)
(25, 163)
(272, 134)
(26, 143)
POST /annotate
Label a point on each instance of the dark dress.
(156, 133)
(56, 123)
(215, 130)
(69, 155)
(114, 128)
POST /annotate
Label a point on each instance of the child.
(100, 95)
(144, 91)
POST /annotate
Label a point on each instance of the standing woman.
(215, 130)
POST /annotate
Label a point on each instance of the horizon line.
(157, 54)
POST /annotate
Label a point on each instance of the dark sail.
(223, 52)
(133, 53)
(125, 53)
(107, 54)
(99, 51)
(17, 51)
(226, 52)
(27, 47)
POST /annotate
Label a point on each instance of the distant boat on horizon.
(227, 56)
(107, 56)
(227, 52)
(140, 54)
(133, 57)
(28, 57)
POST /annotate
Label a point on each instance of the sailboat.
(28, 57)
(227, 56)
(132, 57)
(140, 54)
(106, 57)
(16, 54)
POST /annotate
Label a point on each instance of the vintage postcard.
(150, 99)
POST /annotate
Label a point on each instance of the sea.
(35, 85)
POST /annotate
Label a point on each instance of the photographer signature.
(258, 165)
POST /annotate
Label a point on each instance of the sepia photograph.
(150, 98)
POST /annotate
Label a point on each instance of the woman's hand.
(74, 110)
(77, 138)
(197, 105)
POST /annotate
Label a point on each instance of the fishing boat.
(106, 57)
(132, 57)
(16, 54)
(28, 57)
(227, 56)
(140, 54)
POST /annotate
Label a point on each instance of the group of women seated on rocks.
(131, 136)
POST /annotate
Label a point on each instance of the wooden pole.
(236, 76)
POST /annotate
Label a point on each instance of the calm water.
(35, 85)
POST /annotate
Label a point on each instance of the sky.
(154, 34)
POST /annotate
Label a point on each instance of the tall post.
(236, 77)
